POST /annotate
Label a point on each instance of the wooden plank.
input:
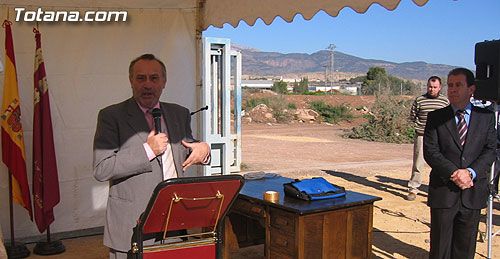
(359, 222)
(229, 238)
(267, 247)
(335, 235)
(300, 236)
(348, 232)
(313, 236)
(370, 231)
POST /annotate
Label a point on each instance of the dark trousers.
(497, 172)
(454, 232)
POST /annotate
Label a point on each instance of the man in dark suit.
(133, 158)
(459, 145)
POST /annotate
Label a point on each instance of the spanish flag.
(13, 154)
(45, 179)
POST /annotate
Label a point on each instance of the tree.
(379, 82)
(295, 86)
(375, 72)
(357, 79)
(373, 81)
(280, 87)
(302, 86)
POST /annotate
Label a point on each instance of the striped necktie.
(462, 126)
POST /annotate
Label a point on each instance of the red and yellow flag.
(45, 178)
(13, 154)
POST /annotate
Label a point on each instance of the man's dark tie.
(462, 126)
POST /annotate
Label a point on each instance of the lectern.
(194, 205)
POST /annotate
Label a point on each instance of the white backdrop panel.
(87, 69)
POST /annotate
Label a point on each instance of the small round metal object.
(272, 196)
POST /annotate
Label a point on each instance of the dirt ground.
(401, 228)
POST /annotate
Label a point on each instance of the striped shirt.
(422, 106)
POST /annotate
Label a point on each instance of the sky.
(440, 32)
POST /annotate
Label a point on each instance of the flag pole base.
(49, 248)
(19, 250)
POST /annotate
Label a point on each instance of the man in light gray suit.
(133, 158)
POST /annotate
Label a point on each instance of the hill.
(260, 63)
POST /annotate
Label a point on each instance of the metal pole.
(14, 250)
(490, 211)
(326, 76)
(48, 234)
(489, 223)
(12, 239)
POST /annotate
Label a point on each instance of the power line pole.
(326, 76)
(331, 47)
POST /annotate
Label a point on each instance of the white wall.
(87, 69)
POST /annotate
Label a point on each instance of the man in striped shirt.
(430, 101)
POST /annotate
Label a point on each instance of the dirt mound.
(262, 113)
(301, 101)
(359, 106)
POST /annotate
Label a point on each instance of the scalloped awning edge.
(219, 12)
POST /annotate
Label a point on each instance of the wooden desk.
(292, 228)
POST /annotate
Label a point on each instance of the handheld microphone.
(157, 119)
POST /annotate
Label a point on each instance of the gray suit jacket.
(119, 158)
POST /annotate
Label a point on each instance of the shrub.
(332, 114)
(251, 103)
(320, 93)
(278, 104)
(389, 122)
(247, 92)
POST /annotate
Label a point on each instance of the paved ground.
(401, 228)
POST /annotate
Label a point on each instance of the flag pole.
(49, 247)
(13, 143)
(14, 250)
(45, 179)
(11, 206)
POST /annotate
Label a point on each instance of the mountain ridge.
(260, 63)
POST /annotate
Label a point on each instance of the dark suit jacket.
(119, 158)
(443, 152)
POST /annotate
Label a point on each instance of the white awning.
(218, 12)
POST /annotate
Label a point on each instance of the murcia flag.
(45, 179)
(13, 154)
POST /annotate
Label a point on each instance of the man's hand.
(199, 152)
(158, 142)
(462, 178)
